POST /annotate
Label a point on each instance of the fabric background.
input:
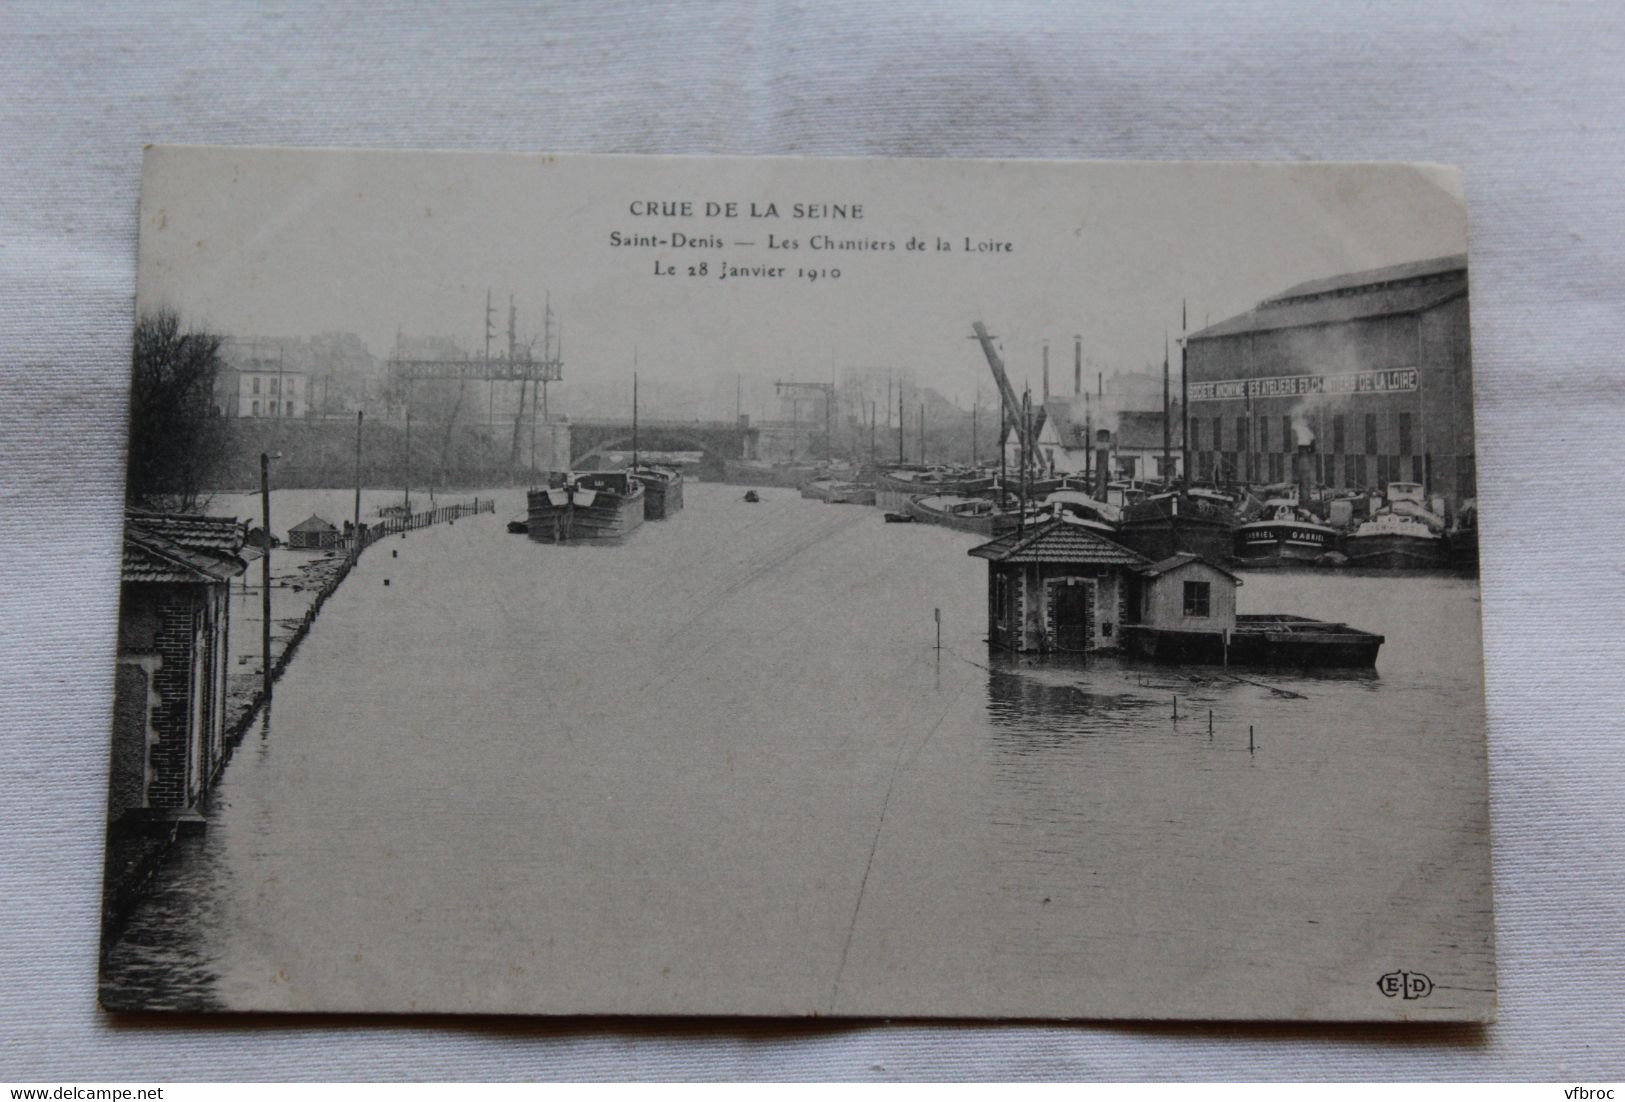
(1527, 98)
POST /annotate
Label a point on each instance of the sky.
(295, 243)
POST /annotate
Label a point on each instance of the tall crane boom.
(1012, 405)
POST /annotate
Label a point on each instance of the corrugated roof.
(1339, 308)
(1184, 558)
(1058, 542)
(1416, 269)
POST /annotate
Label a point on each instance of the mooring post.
(1210, 723)
(1249, 738)
(937, 614)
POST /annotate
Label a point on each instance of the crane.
(1013, 419)
(828, 390)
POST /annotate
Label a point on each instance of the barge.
(1261, 639)
(1178, 523)
(1285, 535)
(662, 491)
(968, 514)
(586, 507)
(837, 491)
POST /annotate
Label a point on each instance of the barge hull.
(1279, 641)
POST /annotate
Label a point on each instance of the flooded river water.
(723, 769)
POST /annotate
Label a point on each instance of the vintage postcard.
(624, 585)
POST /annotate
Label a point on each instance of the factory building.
(1373, 368)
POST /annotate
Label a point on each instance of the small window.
(256, 384)
(1197, 598)
(256, 405)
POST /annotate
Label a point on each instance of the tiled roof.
(1184, 558)
(313, 523)
(149, 557)
(1058, 542)
(220, 535)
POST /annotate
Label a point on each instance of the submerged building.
(169, 702)
(1373, 368)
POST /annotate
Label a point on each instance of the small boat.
(1401, 535)
(520, 524)
(662, 490)
(968, 514)
(751, 496)
(1284, 534)
(899, 518)
(586, 507)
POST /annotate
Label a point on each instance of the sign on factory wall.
(1295, 386)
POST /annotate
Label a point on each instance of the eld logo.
(1409, 985)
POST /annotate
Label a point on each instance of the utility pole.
(1184, 401)
(922, 434)
(900, 416)
(265, 577)
(513, 357)
(1167, 420)
(408, 473)
(490, 384)
(872, 420)
(355, 532)
(634, 408)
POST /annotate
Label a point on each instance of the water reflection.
(728, 757)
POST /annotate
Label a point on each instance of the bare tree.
(176, 440)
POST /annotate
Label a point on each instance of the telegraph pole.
(1184, 402)
(900, 416)
(355, 533)
(490, 384)
(265, 577)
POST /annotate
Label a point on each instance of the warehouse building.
(1373, 368)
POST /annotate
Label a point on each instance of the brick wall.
(173, 760)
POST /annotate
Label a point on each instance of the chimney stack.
(1077, 366)
(1046, 371)
(1103, 460)
(1306, 453)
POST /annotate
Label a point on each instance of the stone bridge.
(719, 440)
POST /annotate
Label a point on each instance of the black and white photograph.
(853, 588)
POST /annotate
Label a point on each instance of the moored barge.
(662, 491)
(968, 514)
(1181, 522)
(586, 507)
(1264, 639)
(1283, 536)
(837, 491)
